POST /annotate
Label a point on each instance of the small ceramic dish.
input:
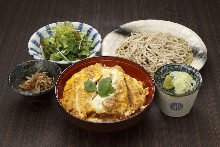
(170, 103)
(35, 50)
(18, 74)
(113, 40)
(132, 69)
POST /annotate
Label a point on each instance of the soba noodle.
(155, 49)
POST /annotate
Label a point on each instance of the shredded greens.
(66, 44)
(181, 82)
(104, 87)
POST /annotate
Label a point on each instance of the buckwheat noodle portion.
(155, 49)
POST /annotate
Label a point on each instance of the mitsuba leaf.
(89, 85)
(105, 87)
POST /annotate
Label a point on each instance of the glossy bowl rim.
(31, 94)
(184, 66)
(67, 62)
(115, 122)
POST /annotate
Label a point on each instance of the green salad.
(66, 44)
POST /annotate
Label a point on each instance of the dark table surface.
(27, 123)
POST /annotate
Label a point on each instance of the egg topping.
(127, 96)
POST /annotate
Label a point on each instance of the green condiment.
(182, 82)
(168, 83)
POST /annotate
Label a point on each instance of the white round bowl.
(34, 47)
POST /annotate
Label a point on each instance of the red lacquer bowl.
(130, 68)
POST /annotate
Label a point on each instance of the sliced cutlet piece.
(128, 90)
(137, 92)
(76, 99)
(117, 103)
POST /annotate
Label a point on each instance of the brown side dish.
(38, 82)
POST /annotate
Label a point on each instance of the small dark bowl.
(18, 74)
(130, 68)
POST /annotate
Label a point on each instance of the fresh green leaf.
(65, 52)
(64, 41)
(54, 57)
(49, 40)
(72, 56)
(89, 85)
(105, 87)
(85, 52)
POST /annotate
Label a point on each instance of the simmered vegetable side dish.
(38, 82)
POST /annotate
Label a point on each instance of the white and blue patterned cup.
(170, 103)
(35, 51)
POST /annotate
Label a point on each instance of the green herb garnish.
(89, 85)
(104, 87)
(66, 44)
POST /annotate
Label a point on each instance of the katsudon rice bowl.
(105, 93)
